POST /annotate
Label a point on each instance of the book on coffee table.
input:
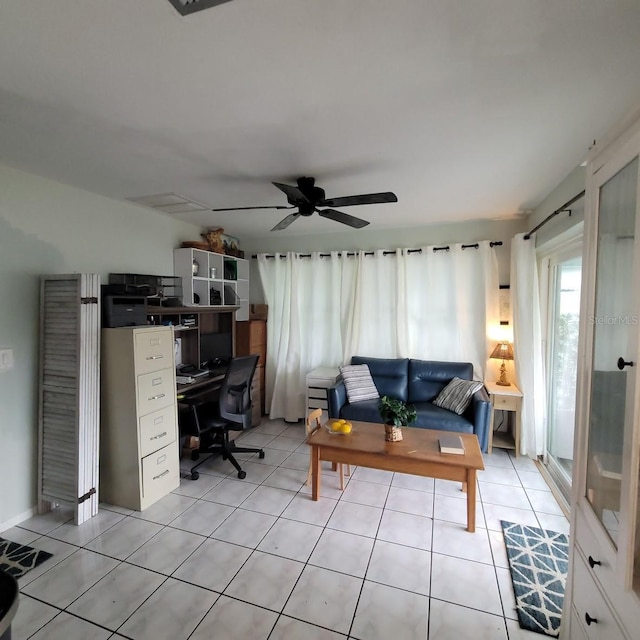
(451, 444)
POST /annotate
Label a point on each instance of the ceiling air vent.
(170, 203)
(185, 7)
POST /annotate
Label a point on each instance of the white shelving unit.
(227, 275)
(318, 381)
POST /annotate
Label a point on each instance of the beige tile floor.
(257, 559)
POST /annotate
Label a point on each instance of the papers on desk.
(184, 379)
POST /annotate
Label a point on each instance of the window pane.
(613, 323)
(565, 314)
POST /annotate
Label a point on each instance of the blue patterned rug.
(16, 559)
(538, 562)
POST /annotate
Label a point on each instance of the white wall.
(570, 187)
(47, 227)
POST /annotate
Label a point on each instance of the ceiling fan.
(306, 197)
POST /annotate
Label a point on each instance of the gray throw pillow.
(456, 396)
(359, 383)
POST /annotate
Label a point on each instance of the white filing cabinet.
(318, 381)
(139, 460)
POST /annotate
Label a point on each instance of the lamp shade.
(502, 351)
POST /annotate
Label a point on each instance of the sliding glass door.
(563, 313)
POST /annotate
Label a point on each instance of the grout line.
(305, 563)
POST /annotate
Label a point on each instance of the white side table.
(505, 399)
(318, 381)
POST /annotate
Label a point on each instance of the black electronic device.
(191, 370)
(216, 349)
(124, 311)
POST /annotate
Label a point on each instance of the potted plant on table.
(395, 414)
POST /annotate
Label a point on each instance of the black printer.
(123, 311)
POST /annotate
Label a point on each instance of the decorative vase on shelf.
(396, 414)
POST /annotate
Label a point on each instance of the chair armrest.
(481, 417)
(336, 398)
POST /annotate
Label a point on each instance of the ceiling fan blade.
(293, 193)
(248, 208)
(285, 222)
(345, 218)
(366, 198)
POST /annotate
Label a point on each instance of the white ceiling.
(466, 109)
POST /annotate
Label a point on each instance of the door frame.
(563, 247)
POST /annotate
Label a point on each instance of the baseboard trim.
(18, 519)
(548, 478)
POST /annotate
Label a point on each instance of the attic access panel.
(185, 7)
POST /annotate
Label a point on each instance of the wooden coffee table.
(418, 453)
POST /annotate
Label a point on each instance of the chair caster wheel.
(242, 475)
(261, 455)
(195, 475)
(195, 455)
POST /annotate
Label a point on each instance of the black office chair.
(232, 412)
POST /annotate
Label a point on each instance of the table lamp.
(503, 351)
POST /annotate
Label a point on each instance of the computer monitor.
(215, 349)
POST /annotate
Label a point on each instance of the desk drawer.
(157, 430)
(155, 391)
(153, 350)
(160, 472)
(505, 403)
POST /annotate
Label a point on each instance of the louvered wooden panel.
(69, 392)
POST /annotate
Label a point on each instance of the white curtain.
(426, 304)
(527, 344)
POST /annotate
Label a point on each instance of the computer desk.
(203, 385)
(206, 388)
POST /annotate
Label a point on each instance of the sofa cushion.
(427, 378)
(456, 396)
(432, 417)
(365, 411)
(391, 375)
(358, 382)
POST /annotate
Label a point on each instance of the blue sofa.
(417, 382)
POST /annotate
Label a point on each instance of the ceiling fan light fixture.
(306, 197)
(185, 7)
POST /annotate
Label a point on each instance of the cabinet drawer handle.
(593, 563)
(155, 357)
(588, 619)
(160, 435)
(160, 395)
(164, 473)
(622, 363)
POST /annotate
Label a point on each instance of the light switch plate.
(6, 359)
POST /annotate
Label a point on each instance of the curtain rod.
(555, 213)
(498, 243)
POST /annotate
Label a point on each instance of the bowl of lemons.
(340, 427)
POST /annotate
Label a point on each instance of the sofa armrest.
(336, 398)
(480, 410)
